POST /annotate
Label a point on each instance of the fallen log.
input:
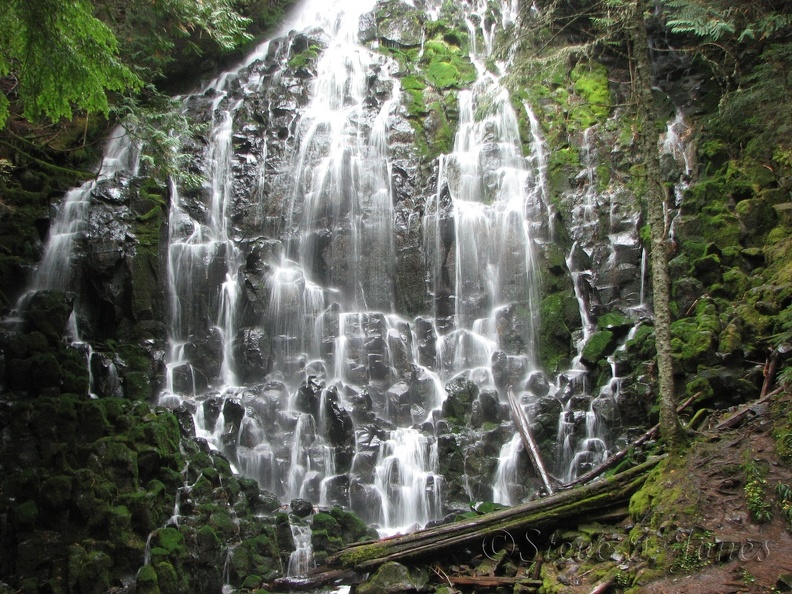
(515, 523)
(313, 580)
(492, 582)
(749, 411)
(524, 427)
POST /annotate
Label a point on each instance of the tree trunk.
(524, 428)
(654, 201)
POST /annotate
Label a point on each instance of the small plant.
(622, 579)
(692, 553)
(746, 577)
(784, 493)
(755, 492)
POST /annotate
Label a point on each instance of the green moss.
(138, 385)
(168, 579)
(352, 527)
(699, 385)
(95, 573)
(324, 541)
(599, 345)
(555, 337)
(664, 495)
(324, 521)
(446, 66)
(305, 58)
(730, 340)
(735, 282)
(615, 322)
(222, 523)
(591, 85)
(171, 541)
(146, 580)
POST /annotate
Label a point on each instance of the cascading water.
(56, 271)
(320, 303)
(56, 268)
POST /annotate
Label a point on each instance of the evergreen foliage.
(54, 56)
(717, 19)
(149, 32)
(58, 56)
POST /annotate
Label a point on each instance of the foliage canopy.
(55, 55)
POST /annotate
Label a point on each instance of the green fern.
(717, 19)
(698, 18)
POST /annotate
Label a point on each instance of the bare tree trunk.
(654, 201)
(524, 428)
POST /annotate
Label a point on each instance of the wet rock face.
(365, 328)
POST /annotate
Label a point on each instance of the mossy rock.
(459, 401)
(399, 24)
(735, 283)
(615, 322)
(147, 581)
(48, 312)
(222, 523)
(138, 386)
(326, 542)
(147, 509)
(446, 66)
(392, 578)
(161, 432)
(599, 345)
(95, 573)
(113, 459)
(305, 58)
(171, 542)
(691, 344)
(708, 269)
(324, 521)
(258, 555)
(74, 371)
(557, 311)
(757, 216)
(168, 579)
(352, 527)
(591, 85)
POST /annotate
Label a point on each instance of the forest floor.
(747, 556)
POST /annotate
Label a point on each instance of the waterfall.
(286, 334)
(506, 475)
(301, 559)
(56, 269)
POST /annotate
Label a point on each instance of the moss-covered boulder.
(394, 577)
(599, 345)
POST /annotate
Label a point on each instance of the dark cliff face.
(87, 481)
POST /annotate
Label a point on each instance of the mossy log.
(544, 514)
(548, 512)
